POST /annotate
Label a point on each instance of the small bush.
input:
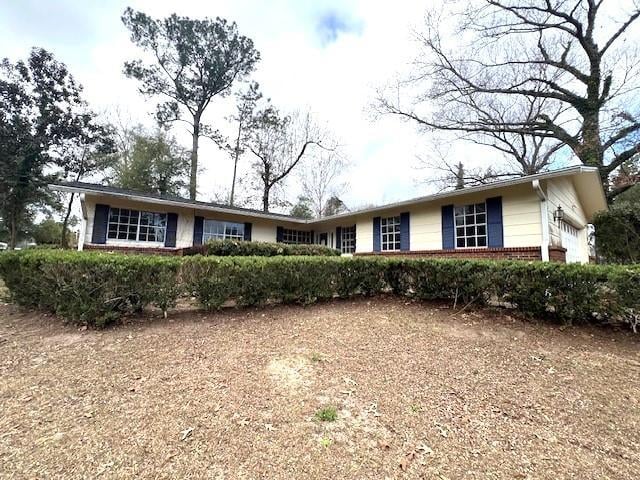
(327, 414)
(238, 248)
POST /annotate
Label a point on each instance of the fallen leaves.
(391, 380)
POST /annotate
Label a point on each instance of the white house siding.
(263, 231)
(184, 234)
(364, 234)
(520, 217)
(562, 192)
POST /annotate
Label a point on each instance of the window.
(295, 236)
(348, 240)
(136, 226)
(390, 233)
(471, 225)
(217, 230)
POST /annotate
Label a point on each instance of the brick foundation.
(512, 253)
(557, 254)
(132, 249)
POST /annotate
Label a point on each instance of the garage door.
(570, 241)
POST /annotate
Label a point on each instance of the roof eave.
(465, 191)
(174, 203)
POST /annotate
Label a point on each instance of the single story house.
(537, 217)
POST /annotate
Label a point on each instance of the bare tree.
(245, 106)
(573, 61)
(279, 143)
(320, 177)
(445, 174)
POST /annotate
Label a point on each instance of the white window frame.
(466, 225)
(207, 236)
(157, 241)
(393, 222)
(291, 236)
(350, 239)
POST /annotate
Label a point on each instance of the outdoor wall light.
(558, 215)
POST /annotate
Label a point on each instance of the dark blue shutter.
(355, 237)
(404, 232)
(376, 234)
(279, 234)
(198, 227)
(172, 230)
(247, 231)
(338, 238)
(100, 224)
(448, 237)
(494, 223)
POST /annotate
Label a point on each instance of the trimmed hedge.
(239, 248)
(98, 288)
(90, 288)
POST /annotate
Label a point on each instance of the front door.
(322, 239)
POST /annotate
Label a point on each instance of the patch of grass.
(316, 357)
(325, 442)
(415, 408)
(327, 414)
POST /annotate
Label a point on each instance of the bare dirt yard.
(417, 392)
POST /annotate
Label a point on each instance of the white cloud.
(329, 57)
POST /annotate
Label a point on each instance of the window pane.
(471, 225)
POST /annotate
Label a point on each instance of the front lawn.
(346, 389)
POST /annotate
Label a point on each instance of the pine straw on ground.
(419, 393)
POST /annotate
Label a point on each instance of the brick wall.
(132, 249)
(512, 253)
(558, 254)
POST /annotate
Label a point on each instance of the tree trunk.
(65, 222)
(13, 229)
(193, 180)
(236, 157)
(265, 198)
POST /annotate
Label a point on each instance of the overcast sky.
(328, 56)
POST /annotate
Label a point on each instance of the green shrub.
(238, 248)
(98, 288)
(91, 288)
(617, 232)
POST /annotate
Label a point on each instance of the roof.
(587, 183)
(83, 187)
(591, 192)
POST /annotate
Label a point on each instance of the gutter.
(83, 224)
(544, 220)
